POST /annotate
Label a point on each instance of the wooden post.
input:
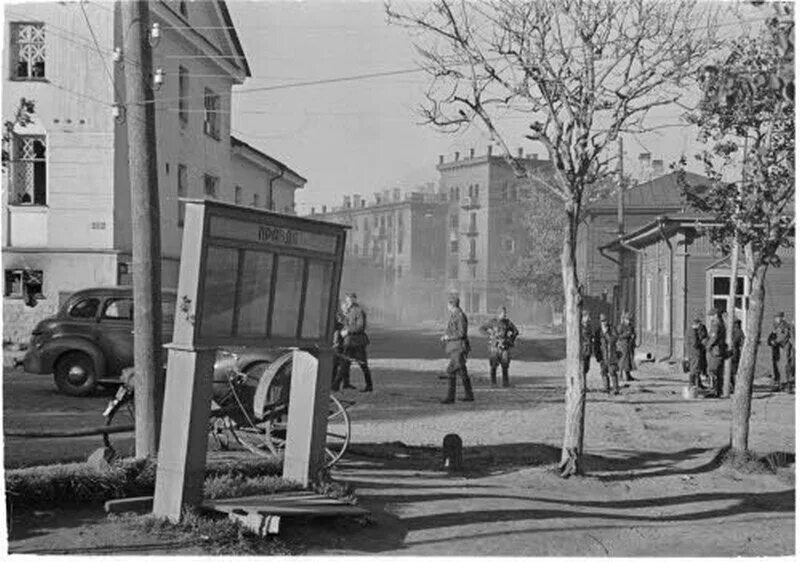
(143, 170)
(182, 452)
(306, 431)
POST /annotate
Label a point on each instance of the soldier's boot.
(468, 395)
(367, 378)
(506, 384)
(451, 390)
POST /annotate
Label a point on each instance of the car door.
(116, 333)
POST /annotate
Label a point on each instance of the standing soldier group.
(707, 351)
(612, 348)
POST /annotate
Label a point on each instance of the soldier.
(626, 344)
(606, 350)
(696, 351)
(737, 343)
(587, 341)
(355, 341)
(456, 345)
(338, 350)
(780, 338)
(715, 350)
(502, 335)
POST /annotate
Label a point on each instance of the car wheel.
(75, 374)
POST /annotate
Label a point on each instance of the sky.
(362, 136)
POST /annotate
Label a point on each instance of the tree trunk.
(743, 391)
(726, 386)
(575, 396)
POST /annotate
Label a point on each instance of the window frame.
(18, 162)
(23, 273)
(183, 96)
(107, 304)
(237, 194)
(212, 181)
(82, 300)
(182, 179)
(212, 114)
(13, 29)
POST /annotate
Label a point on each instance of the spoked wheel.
(119, 412)
(338, 432)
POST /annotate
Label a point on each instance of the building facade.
(394, 257)
(66, 206)
(486, 233)
(673, 273)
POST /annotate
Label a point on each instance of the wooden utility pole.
(143, 170)
(620, 194)
(728, 373)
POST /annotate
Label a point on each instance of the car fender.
(57, 347)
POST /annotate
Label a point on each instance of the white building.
(66, 196)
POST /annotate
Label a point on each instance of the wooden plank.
(292, 503)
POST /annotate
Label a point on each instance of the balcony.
(470, 203)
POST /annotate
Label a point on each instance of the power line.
(99, 53)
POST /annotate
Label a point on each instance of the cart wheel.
(338, 432)
(124, 414)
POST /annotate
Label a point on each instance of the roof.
(662, 192)
(226, 15)
(114, 290)
(665, 225)
(238, 143)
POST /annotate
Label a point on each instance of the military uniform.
(737, 343)
(338, 350)
(782, 338)
(355, 344)
(456, 346)
(696, 351)
(716, 351)
(502, 335)
(587, 344)
(626, 344)
(607, 355)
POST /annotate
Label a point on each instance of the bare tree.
(583, 71)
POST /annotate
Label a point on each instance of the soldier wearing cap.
(695, 350)
(626, 344)
(456, 346)
(782, 339)
(587, 341)
(715, 349)
(737, 343)
(502, 335)
(354, 341)
(606, 352)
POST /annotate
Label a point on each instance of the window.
(475, 194)
(183, 183)
(168, 305)
(399, 271)
(720, 289)
(237, 194)
(649, 304)
(355, 249)
(16, 279)
(183, 96)
(427, 273)
(212, 116)
(473, 222)
(507, 244)
(458, 196)
(453, 272)
(210, 185)
(84, 308)
(400, 236)
(366, 223)
(29, 169)
(453, 246)
(255, 200)
(473, 248)
(118, 309)
(454, 220)
(473, 271)
(27, 46)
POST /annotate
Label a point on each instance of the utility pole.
(143, 173)
(728, 373)
(620, 218)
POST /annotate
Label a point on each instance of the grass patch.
(216, 535)
(78, 484)
(753, 463)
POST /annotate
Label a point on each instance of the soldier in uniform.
(355, 341)
(456, 345)
(502, 335)
(737, 343)
(587, 341)
(626, 344)
(696, 351)
(781, 338)
(715, 350)
(606, 350)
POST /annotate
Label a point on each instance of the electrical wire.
(99, 53)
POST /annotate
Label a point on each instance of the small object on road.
(452, 452)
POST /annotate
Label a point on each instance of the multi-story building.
(485, 231)
(66, 198)
(394, 258)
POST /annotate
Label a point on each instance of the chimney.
(398, 196)
(645, 170)
(520, 152)
(356, 200)
(363, 203)
(312, 210)
(324, 209)
(377, 198)
(489, 150)
(472, 153)
(658, 168)
(346, 202)
(456, 158)
(441, 159)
